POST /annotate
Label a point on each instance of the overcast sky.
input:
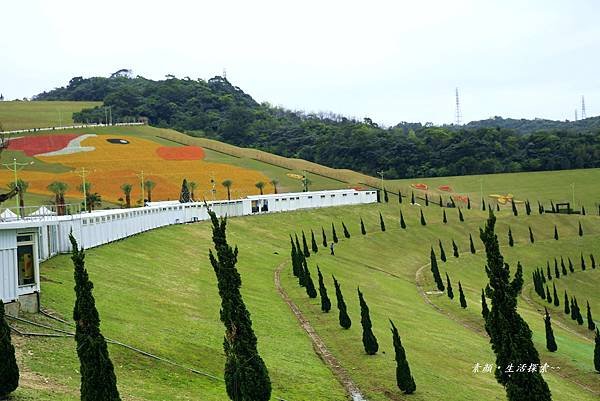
(389, 60)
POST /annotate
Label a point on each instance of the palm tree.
(59, 188)
(260, 185)
(149, 186)
(126, 188)
(93, 200)
(274, 182)
(227, 184)
(192, 185)
(20, 186)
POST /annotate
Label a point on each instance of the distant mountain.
(217, 109)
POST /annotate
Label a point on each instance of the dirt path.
(478, 330)
(318, 344)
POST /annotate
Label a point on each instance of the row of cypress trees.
(404, 378)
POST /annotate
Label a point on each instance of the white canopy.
(43, 211)
(8, 214)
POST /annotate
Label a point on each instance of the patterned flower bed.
(35, 145)
(180, 153)
(419, 186)
(111, 164)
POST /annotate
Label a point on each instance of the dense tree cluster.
(217, 109)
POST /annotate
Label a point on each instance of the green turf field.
(16, 115)
(157, 291)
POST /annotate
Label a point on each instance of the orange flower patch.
(180, 152)
(446, 188)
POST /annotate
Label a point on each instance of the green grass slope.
(16, 115)
(157, 292)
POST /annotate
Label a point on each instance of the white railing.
(67, 127)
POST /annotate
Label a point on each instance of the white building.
(25, 242)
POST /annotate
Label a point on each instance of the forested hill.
(525, 126)
(217, 109)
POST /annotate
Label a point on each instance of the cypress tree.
(548, 270)
(590, 320)
(527, 208)
(583, 210)
(542, 275)
(582, 262)
(452, 203)
(305, 246)
(295, 268)
(593, 260)
(484, 307)
(442, 253)
(580, 230)
(550, 341)
(381, 222)
(362, 227)
(455, 249)
(460, 215)
(566, 302)
(300, 261)
(344, 319)
(184, 195)
(597, 351)
(514, 207)
(552, 206)
(563, 267)
(368, 338)
(540, 208)
(573, 310)
(325, 302)
(555, 232)
(334, 234)
(578, 316)
(436, 272)
(441, 203)
(324, 237)
(542, 292)
(423, 222)
(483, 204)
(497, 207)
(404, 379)
(556, 271)
(313, 242)
(426, 200)
(444, 218)
(449, 287)
(548, 296)
(461, 296)
(9, 370)
(310, 285)
(556, 300)
(399, 196)
(386, 199)
(471, 245)
(531, 239)
(98, 380)
(510, 335)
(511, 241)
(571, 267)
(402, 223)
(488, 290)
(536, 282)
(468, 203)
(345, 229)
(412, 197)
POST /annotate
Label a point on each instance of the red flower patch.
(419, 186)
(35, 145)
(180, 152)
(446, 188)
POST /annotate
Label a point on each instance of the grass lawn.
(15, 115)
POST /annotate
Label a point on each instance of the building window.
(25, 259)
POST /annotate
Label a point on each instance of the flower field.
(35, 145)
(114, 163)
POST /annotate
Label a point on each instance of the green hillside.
(158, 293)
(16, 115)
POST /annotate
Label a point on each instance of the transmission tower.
(575, 114)
(458, 113)
(583, 116)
